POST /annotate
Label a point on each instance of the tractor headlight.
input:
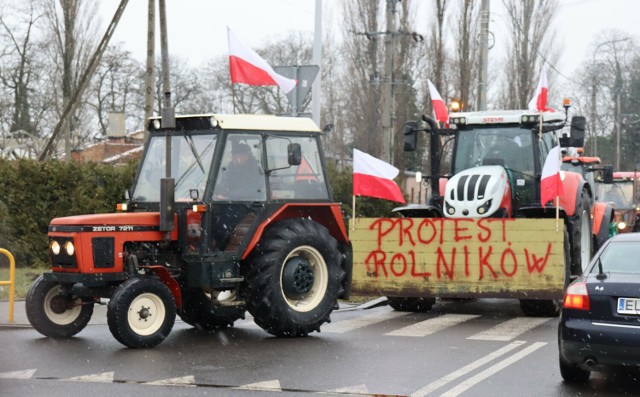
(450, 210)
(69, 248)
(55, 247)
(484, 207)
(622, 225)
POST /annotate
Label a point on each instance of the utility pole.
(618, 93)
(387, 87)
(484, 54)
(149, 81)
(316, 89)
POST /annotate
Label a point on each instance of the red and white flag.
(550, 181)
(373, 177)
(539, 100)
(247, 67)
(439, 107)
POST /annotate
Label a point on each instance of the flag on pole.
(373, 177)
(550, 181)
(246, 66)
(439, 107)
(539, 100)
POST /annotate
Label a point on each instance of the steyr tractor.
(200, 239)
(496, 160)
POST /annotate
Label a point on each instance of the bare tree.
(72, 33)
(531, 26)
(465, 59)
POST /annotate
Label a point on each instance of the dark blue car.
(600, 319)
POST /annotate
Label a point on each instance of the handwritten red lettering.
(484, 262)
(459, 230)
(443, 262)
(538, 263)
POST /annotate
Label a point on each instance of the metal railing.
(11, 282)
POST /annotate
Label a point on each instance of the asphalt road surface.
(460, 348)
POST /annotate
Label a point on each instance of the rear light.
(576, 297)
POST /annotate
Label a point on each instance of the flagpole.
(233, 96)
(353, 220)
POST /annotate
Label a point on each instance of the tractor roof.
(259, 122)
(504, 116)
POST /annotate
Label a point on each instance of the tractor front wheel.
(54, 312)
(294, 278)
(141, 312)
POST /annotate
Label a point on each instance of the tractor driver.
(240, 180)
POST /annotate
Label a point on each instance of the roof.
(505, 116)
(581, 159)
(626, 174)
(253, 122)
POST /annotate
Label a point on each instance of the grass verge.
(24, 278)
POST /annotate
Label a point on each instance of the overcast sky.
(197, 28)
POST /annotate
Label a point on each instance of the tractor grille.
(467, 185)
(103, 252)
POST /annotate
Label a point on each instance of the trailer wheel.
(581, 235)
(54, 312)
(198, 312)
(293, 278)
(549, 307)
(141, 312)
(411, 304)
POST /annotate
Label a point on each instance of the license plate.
(628, 306)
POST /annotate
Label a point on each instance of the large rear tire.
(294, 278)
(54, 312)
(581, 235)
(141, 312)
(198, 311)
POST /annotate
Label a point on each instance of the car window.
(621, 257)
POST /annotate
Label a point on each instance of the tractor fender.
(327, 214)
(573, 184)
(168, 280)
(602, 214)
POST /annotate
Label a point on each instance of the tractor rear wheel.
(294, 278)
(198, 311)
(141, 312)
(581, 236)
(54, 312)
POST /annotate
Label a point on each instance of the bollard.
(11, 282)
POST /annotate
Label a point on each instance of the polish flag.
(247, 67)
(550, 181)
(439, 107)
(373, 177)
(539, 100)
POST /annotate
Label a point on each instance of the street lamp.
(617, 104)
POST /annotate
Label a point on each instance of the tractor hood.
(477, 192)
(127, 221)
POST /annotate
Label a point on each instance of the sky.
(197, 28)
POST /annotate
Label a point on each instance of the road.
(461, 348)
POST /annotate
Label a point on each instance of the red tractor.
(621, 192)
(203, 240)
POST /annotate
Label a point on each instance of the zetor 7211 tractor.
(496, 160)
(226, 214)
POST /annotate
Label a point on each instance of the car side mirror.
(607, 174)
(294, 154)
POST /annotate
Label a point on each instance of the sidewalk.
(20, 315)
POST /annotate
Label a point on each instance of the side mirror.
(607, 174)
(410, 135)
(577, 131)
(294, 154)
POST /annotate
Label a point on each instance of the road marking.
(26, 374)
(433, 325)
(184, 381)
(360, 322)
(268, 385)
(357, 389)
(105, 377)
(474, 380)
(509, 330)
(466, 369)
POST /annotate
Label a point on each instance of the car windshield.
(620, 257)
(190, 164)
